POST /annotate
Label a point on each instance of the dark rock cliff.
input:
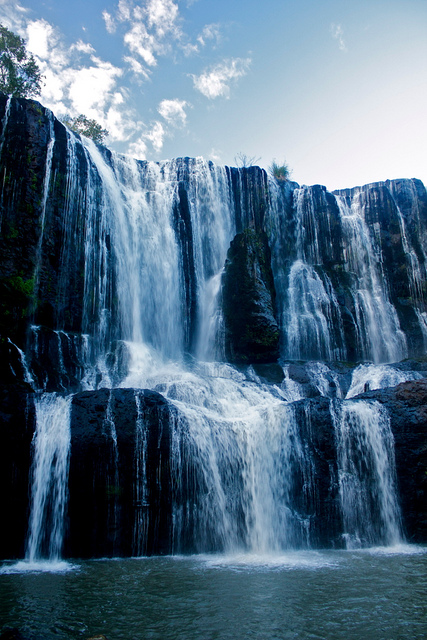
(248, 299)
(407, 407)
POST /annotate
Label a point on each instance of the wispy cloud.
(150, 29)
(215, 81)
(110, 24)
(83, 47)
(210, 32)
(155, 135)
(137, 68)
(173, 111)
(338, 34)
(12, 14)
(78, 80)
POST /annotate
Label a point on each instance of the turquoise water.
(378, 594)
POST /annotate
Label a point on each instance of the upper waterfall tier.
(98, 249)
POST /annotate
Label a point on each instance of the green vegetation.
(18, 284)
(280, 172)
(19, 74)
(86, 127)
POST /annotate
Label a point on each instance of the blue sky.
(337, 88)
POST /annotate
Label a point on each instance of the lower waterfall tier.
(179, 472)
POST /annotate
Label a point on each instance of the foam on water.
(41, 566)
(248, 562)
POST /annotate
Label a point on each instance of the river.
(371, 594)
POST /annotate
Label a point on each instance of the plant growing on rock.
(20, 76)
(280, 172)
(86, 127)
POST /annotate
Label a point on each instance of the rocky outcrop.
(407, 408)
(17, 426)
(41, 245)
(248, 300)
(120, 479)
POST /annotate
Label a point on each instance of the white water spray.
(50, 477)
(367, 482)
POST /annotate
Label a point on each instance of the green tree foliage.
(280, 172)
(19, 74)
(86, 127)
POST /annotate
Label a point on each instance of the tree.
(86, 127)
(280, 172)
(19, 74)
(242, 160)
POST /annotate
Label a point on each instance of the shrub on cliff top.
(86, 127)
(280, 172)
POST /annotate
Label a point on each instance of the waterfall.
(49, 477)
(378, 330)
(44, 199)
(367, 479)
(309, 316)
(255, 453)
(367, 377)
(416, 260)
(244, 447)
(140, 484)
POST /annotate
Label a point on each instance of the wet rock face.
(41, 249)
(17, 426)
(407, 408)
(409, 424)
(119, 479)
(248, 294)
(396, 214)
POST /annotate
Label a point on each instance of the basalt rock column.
(251, 329)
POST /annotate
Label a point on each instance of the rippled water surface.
(359, 595)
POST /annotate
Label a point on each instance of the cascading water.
(244, 455)
(310, 313)
(49, 477)
(379, 334)
(416, 260)
(366, 474)
(245, 444)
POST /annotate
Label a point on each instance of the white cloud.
(155, 136)
(110, 25)
(152, 28)
(13, 15)
(82, 47)
(214, 82)
(210, 32)
(338, 34)
(162, 16)
(173, 111)
(215, 155)
(124, 10)
(137, 68)
(91, 87)
(138, 149)
(42, 40)
(142, 43)
(74, 85)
